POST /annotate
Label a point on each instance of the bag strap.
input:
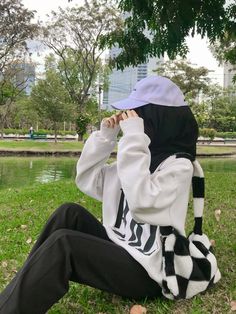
(198, 190)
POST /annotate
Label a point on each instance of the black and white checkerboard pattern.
(189, 266)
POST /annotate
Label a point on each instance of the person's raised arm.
(92, 164)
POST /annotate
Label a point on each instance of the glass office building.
(121, 83)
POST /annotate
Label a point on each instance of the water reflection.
(49, 175)
(15, 171)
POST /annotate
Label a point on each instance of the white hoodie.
(157, 199)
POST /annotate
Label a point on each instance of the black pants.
(73, 246)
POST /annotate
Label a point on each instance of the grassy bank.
(207, 149)
(23, 211)
(40, 146)
(30, 145)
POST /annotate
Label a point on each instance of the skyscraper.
(25, 76)
(229, 73)
(121, 83)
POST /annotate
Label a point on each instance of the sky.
(199, 53)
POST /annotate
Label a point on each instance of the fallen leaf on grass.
(217, 214)
(29, 241)
(115, 299)
(213, 242)
(233, 305)
(4, 264)
(138, 309)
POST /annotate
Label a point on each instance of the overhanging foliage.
(153, 28)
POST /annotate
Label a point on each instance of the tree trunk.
(80, 137)
(55, 132)
(1, 128)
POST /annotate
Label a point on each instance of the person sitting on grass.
(146, 187)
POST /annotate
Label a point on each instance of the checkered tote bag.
(189, 266)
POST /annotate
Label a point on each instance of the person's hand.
(112, 121)
(115, 119)
(128, 114)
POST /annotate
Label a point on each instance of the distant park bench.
(38, 136)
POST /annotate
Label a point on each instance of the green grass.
(205, 149)
(31, 206)
(40, 146)
(75, 146)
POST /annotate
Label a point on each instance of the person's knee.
(68, 207)
(57, 247)
(60, 235)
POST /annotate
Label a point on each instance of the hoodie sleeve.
(150, 196)
(91, 166)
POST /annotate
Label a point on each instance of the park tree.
(73, 34)
(217, 109)
(152, 28)
(222, 109)
(51, 99)
(191, 79)
(24, 115)
(16, 28)
(225, 48)
(90, 112)
(201, 113)
(13, 82)
(9, 92)
(213, 108)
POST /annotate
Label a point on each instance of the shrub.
(209, 133)
(16, 131)
(226, 134)
(40, 131)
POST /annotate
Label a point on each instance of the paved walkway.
(70, 153)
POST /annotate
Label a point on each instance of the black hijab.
(170, 129)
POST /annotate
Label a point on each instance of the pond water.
(23, 171)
